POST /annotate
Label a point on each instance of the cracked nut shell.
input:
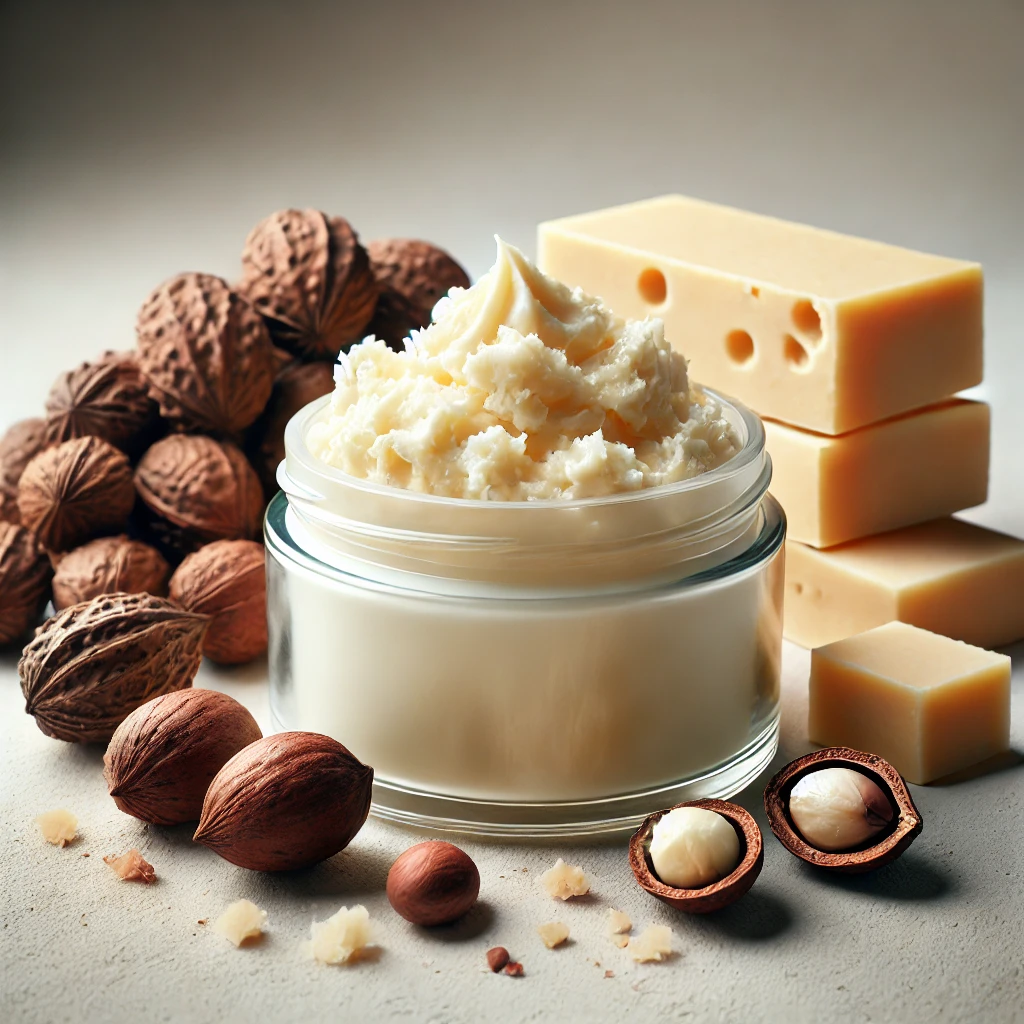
(75, 491)
(710, 897)
(24, 582)
(310, 278)
(94, 663)
(163, 756)
(433, 883)
(196, 490)
(22, 442)
(109, 565)
(905, 827)
(411, 276)
(205, 354)
(106, 398)
(286, 801)
(227, 581)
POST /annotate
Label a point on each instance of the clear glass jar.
(531, 668)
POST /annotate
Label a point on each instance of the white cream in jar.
(526, 572)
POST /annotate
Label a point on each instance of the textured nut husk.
(75, 491)
(205, 354)
(296, 386)
(411, 276)
(163, 756)
(196, 490)
(286, 801)
(310, 277)
(227, 581)
(24, 582)
(906, 825)
(106, 398)
(433, 883)
(93, 664)
(711, 897)
(109, 565)
(22, 442)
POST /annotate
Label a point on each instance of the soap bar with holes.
(816, 329)
(946, 576)
(902, 471)
(929, 705)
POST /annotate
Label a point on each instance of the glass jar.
(534, 668)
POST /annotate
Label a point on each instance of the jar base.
(570, 820)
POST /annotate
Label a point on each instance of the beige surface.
(948, 576)
(816, 329)
(927, 704)
(896, 473)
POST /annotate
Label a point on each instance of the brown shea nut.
(93, 664)
(109, 565)
(106, 398)
(296, 386)
(22, 442)
(196, 490)
(411, 276)
(24, 582)
(163, 756)
(433, 883)
(718, 894)
(227, 581)
(903, 826)
(286, 801)
(310, 278)
(497, 957)
(205, 354)
(76, 491)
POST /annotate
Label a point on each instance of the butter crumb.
(564, 881)
(553, 934)
(59, 827)
(342, 936)
(132, 867)
(618, 925)
(654, 943)
(241, 922)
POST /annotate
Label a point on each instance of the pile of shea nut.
(135, 506)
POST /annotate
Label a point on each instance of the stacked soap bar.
(850, 349)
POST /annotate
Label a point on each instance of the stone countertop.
(935, 936)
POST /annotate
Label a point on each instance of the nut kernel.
(838, 808)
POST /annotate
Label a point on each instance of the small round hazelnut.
(433, 883)
(411, 276)
(691, 847)
(227, 581)
(109, 565)
(838, 808)
(24, 582)
(196, 490)
(205, 354)
(76, 491)
(310, 278)
(22, 442)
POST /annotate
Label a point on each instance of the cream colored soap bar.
(820, 330)
(927, 704)
(947, 576)
(895, 473)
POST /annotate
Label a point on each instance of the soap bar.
(927, 704)
(901, 471)
(823, 331)
(950, 577)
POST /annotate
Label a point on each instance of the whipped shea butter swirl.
(521, 389)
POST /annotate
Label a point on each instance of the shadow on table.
(1006, 761)
(760, 915)
(910, 879)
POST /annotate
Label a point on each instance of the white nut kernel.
(692, 847)
(838, 808)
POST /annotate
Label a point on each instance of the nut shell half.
(711, 897)
(286, 801)
(109, 565)
(906, 825)
(163, 756)
(24, 582)
(433, 883)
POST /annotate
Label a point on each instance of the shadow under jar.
(532, 668)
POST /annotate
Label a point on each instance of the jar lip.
(752, 449)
